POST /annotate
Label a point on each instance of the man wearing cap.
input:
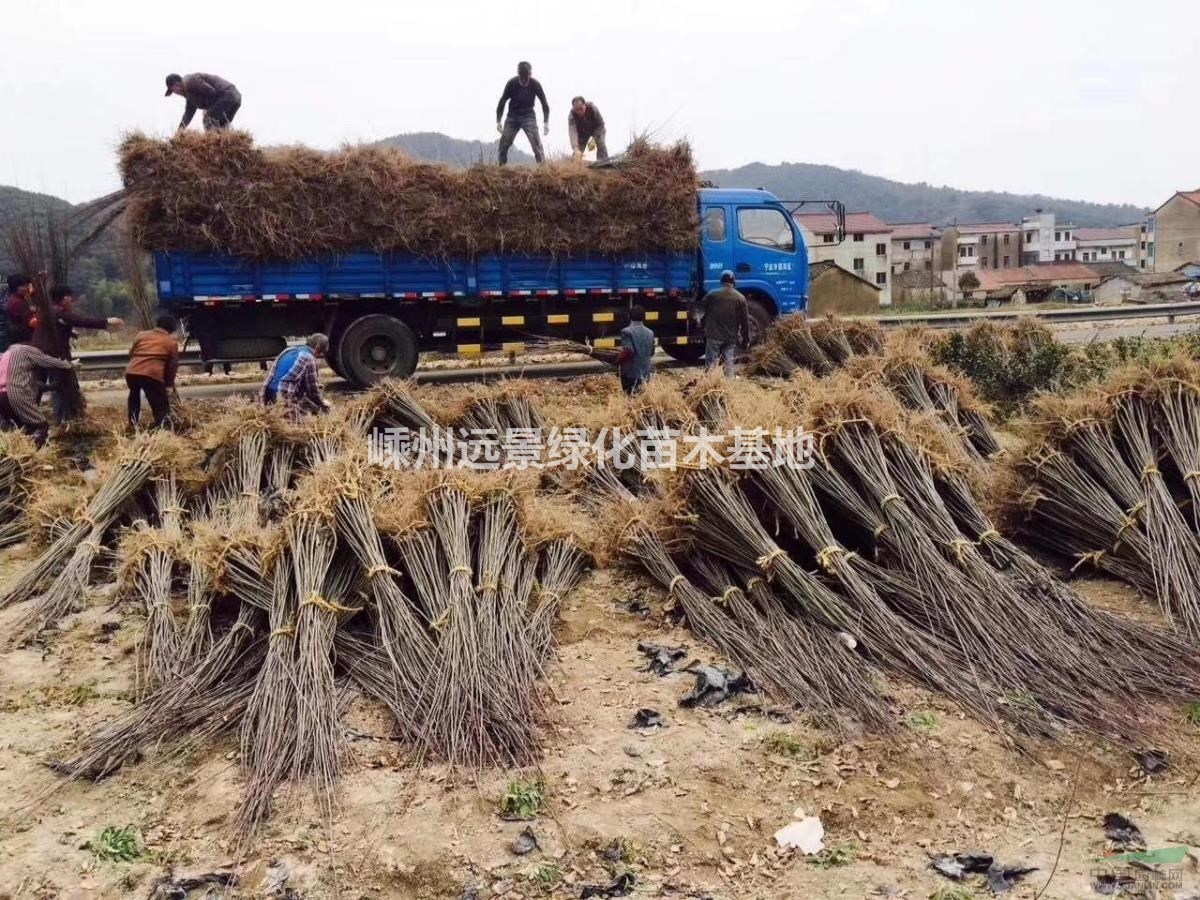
(725, 317)
(219, 99)
(519, 94)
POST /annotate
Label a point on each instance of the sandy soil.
(690, 810)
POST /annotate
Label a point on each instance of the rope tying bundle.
(890, 498)
(1188, 476)
(767, 561)
(826, 556)
(328, 606)
(441, 621)
(675, 582)
(460, 570)
(990, 534)
(959, 546)
(1093, 558)
(285, 631)
(1149, 470)
(380, 568)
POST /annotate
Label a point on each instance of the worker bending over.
(519, 94)
(153, 362)
(293, 377)
(584, 123)
(219, 99)
(20, 368)
(725, 317)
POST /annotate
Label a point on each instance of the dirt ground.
(690, 809)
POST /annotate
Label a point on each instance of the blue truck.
(381, 310)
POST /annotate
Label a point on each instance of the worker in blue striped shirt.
(293, 377)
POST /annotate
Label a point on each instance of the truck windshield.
(766, 228)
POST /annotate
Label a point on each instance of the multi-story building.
(1177, 232)
(995, 245)
(1145, 249)
(913, 246)
(1107, 245)
(866, 251)
(1043, 239)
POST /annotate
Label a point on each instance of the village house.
(866, 251)
(913, 246)
(1107, 245)
(833, 290)
(1177, 232)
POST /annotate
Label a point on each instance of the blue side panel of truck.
(186, 277)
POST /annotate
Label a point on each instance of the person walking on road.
(153, 362)
(584, 123)
(219, 99)
(519, 94)
(293, 377)
(725, 316)
(20, 367)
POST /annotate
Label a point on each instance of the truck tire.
(761, 318)
(684, 353)
(375, 347)
(331, 356)
(247, 347)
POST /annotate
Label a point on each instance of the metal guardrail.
(111, 360)
(1168, 311)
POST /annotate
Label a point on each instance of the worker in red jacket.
(18, 310)
(63, 325)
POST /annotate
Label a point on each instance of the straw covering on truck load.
(218, 192)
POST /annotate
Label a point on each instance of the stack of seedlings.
(218, 193)
(305, 572)
(882, 556)
(17, 453)
(827, 345)
(1112, 482)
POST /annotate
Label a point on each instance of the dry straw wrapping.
(218, 192)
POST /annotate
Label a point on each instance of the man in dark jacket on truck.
(584, 123)
(726, 319)
(519, 94)
(219, 99)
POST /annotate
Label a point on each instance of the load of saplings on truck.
(218, 193)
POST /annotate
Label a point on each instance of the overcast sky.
(1093, 100)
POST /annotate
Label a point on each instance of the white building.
(1107, 245)
(866, 251)
(1043, 239)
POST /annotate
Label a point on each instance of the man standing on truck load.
(18, 310)
(519, 94)
(725, 316)
(584, 123)
(153, 362)
(20, 365)
(293, 377)
(219, 99)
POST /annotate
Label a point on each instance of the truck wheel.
(761, 318)
(685, 353)
(375, 347)
(331, 357)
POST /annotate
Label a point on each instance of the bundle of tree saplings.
(794, 345)
(299, 572)
(17, 454)
(881, 556)
(1112, 479)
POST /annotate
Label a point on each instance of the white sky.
(1095, 99)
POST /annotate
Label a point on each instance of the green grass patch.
(1191, 713)
(523, 800)
(547, 875)
(781, 743)
(952, 893)
(924, 722)
(117, 844)
(834, 857)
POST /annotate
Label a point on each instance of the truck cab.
(752, 234)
